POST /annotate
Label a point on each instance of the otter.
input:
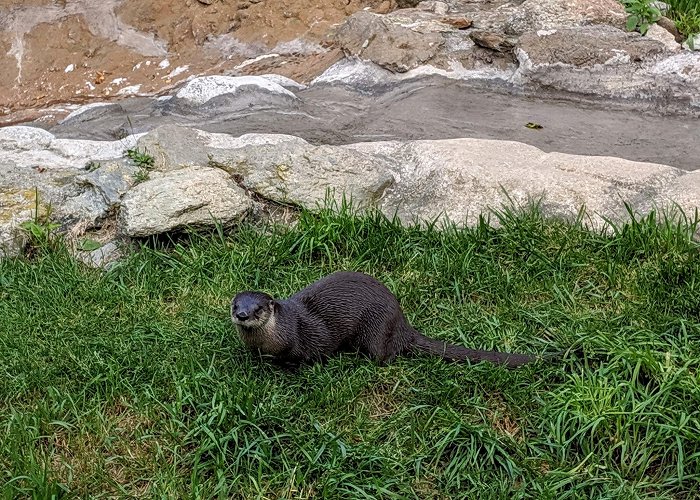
(342, 311)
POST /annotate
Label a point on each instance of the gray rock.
(388, 44)
(490, 40)
(101, 257)
(662, 6)
(100, 191)
(681, 195)
(432, 6)
(91, 111)
(31, 147)
(608, 63)
(656, 32)
(16, 206)
(587, 47)
(295, 172)
(192, 196)
(460, 179)
(22, 138)
(111, 180)
(534, 15)
(174, 146)
(693, 42)
(33, 158)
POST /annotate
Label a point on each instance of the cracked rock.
(190, 197)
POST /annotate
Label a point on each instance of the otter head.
(252, 310)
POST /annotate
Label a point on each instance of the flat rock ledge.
(201, 179)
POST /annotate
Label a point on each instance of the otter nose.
(242, 315)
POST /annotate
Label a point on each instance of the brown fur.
(342, 311)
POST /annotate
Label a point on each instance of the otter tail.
(454, 352)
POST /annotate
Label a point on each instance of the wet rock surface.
(359, 109)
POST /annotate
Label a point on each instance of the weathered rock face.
(301, 174)
(77, 49)
(572, 48)
(74, 177)
(460, 179)
(192, 196)
(389, 44)
(588, 46)
(605, 61)
(463, 39)
(534, 15)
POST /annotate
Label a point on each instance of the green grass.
(686, 14)
(132, 381)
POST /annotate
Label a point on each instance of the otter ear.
(271, 305)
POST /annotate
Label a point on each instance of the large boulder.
(609, 63)
(460, 179)
(192, 196)
(174, 146)
(391, 45)
(298, 173)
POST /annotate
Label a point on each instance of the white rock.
(25, 138)
(100, 257)
(29, 147)
(192, 196)
(461, 178)
(177, 71)
(656, 32)
(131, 89)
(283, 81)
(202, 89)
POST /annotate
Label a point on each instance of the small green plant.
(141, 175)
(686, 15)
(144, 161)
(40, 229)
(642, 14)
(141, 159)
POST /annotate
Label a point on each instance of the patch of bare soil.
(77, 51)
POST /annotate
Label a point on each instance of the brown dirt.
(66, 51)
